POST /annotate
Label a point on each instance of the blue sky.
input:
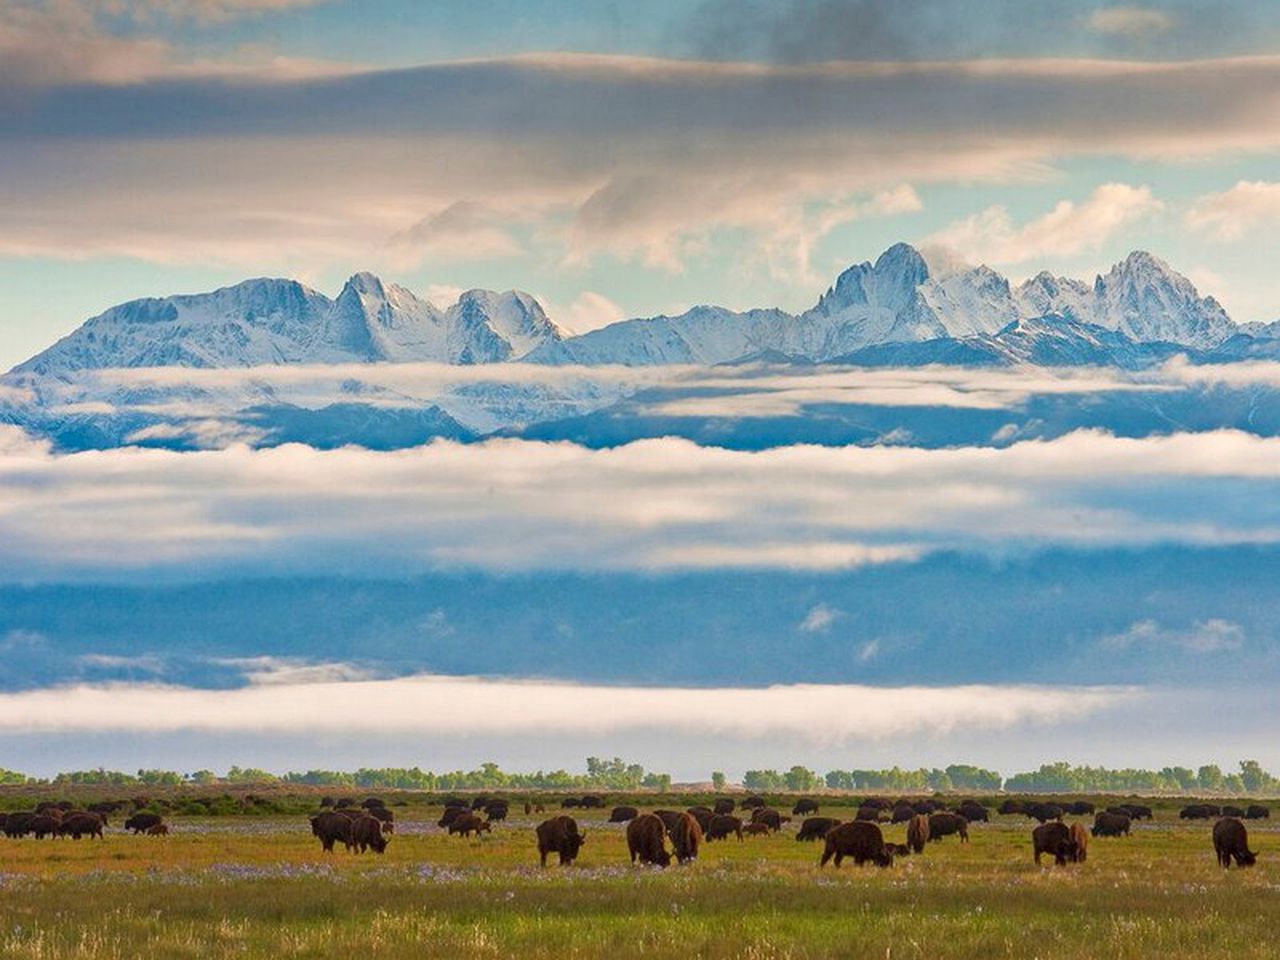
(190, 143)
(619, 159)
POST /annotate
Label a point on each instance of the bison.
(18, 824)
(452, 813)
(815, 828)
(752, 803)
(1231, 811)
(1054, 838)
(646, 840)
(142, 822)
(868, 814)
(668, 817)
(158, 830)
(1079, 843)
(469, 823)
(79, 825)
(1197, 811)
(902, 813)
(858, 839)
(44, 825)
(366, 834)
(1257, 811)
(328, 828)
(703, 815)
(770, 818)
(1079, 808)
(944, 824)
(973, 812)
(723, 806)
(1111, 825)
(1013, 806)
(1043, 812)
(623, 814)
(686, 838)
(804, 805)
(592, 801)
(721, 825)
(756, 830)
(918, 833)
(560, 836)
(1231, 842)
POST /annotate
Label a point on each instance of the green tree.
(718, 780)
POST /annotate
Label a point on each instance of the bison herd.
(63, 819)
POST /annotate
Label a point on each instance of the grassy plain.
(260, 887)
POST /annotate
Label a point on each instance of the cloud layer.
(655, 504)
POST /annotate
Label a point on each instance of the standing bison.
(1257, 811)
(366, 834)
(142, 822)
(328, 828)
(623, 814)
(815, 828)
(858, 839)
(722, 806)
(469, 824)
(646, 840)
(1079, 842)
(770, 818)
(804, 805)
(721, 825)
(1053, 838)
(560, 836)
(918, 833)
(945, 824)
(1231, 842)
(686, 837)
(1111, 825)
(79, 825)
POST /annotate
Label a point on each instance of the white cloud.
(589, 311)
(1249, 205)
(1069, 228)
(286, 671)
(820, 618)
(1206, 636)
(473, 706)
(1130, 21)
(653, 504)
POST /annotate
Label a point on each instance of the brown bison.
(669, 818)
(646, 840)
(623, 814)
(1111, 825)
(752, 803)
(1257, 811)
(560, 836)
(328, 828)
(1196, 811)
(858, 839)
(1079, 808)
(18, 824)
(496, 810)
(452, 813)
(721, 825)
(815, 828)
(869, 814)
(770, 818)
(159, 830)
(703, 815)
(974, 812)
(1079, 843)
(918, 833)
(686, 838)
(804, 805)
(722, 806)
(1054, 838)
(945, 824)
(1232, 811)
(79, 825)
(44, 825)
(1013, 806)
(366, 834)
(756, 830)
(469, 823)
(1231, 842)
(902, 813)
(1043, 812)
(142, 822)
(592, 801)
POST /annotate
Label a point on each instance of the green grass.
(227, 887)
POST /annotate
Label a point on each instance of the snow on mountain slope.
(1145, 299)
(267, 322)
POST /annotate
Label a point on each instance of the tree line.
(618, 774)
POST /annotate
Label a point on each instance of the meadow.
(259, 886)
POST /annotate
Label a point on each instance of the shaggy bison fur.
(945, 824)
(1053, 838)
(646, 840)
(918, 833)
(1231, 842)
(1111, 825)
(858, 839)
(686, 838)
(721, 826)
(815, 828)
(560, 836)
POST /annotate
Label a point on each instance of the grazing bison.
(159, 830)
(752, 803)
(973, 812)
(1196, 811)
(770, 818)
(560, 836)
(880, 803)
(756, 830)
(686, 838)
(328, 828)
(1079, 843)
(366, 834)
(858, 839)
(944, 824)
(1135, 811)
(623, 814)
(452, 813)
(815, 828)
(79, 825)
(469, 823)
(1111, 825)
(868, 814)
(1054, 838)
(1079, 808)
(646, 840)
(1043, 812)
(1013, 806)
(569, 803)
(926, 807)
(1231, 842)
(496, 810)
(918, 833)
(668, 817)
(44, 825)
(721, 825)
(703, 815)
(1229, 811)
(383, 816)
(370, 802)
(804, 805)
(1257, 811)
(723, 806)
(902, 813)
(456, 802)
(592, 801)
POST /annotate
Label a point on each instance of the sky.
(1084, 593)
(623, 161)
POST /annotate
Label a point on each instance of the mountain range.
(895, 311)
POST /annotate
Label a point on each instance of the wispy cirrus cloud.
(1233, 213)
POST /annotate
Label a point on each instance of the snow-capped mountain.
(267, 322)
